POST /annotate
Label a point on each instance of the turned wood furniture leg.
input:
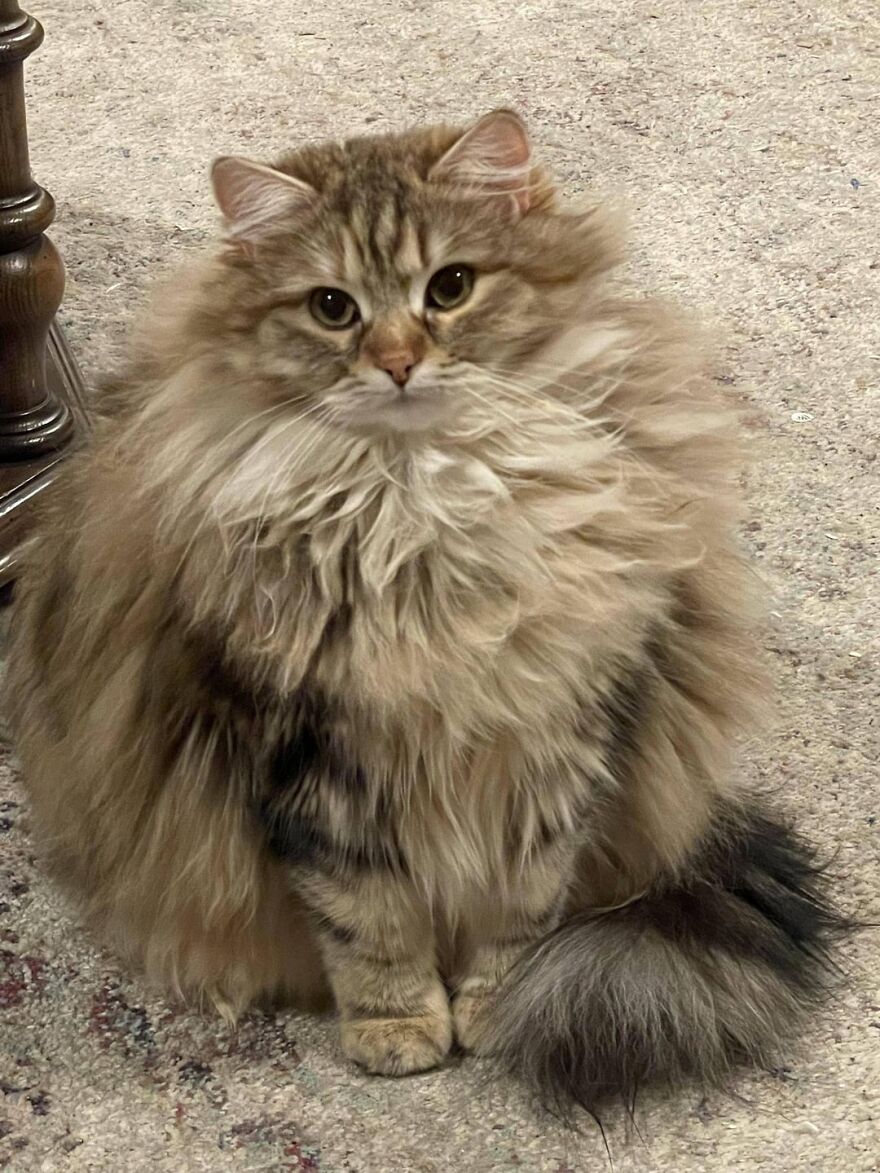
(40, 391)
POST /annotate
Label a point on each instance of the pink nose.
(398, 364)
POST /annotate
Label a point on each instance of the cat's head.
(396, 279)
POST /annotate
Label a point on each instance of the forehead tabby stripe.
(352, 260)
(409, 254)
(382, 238)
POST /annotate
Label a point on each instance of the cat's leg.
(501, 928)
(378, 945)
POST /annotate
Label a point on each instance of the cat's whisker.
(531, 396)
(584, 419)
(583, 412)
(493, 407)
(540, 381)
(578, 370)
(514, 379)
(209, 514)
(582, 378)
(291, 460)
(295, 456)
(272, 434)
(283, 473)
(248, 422)
(251, 420)
(539, 405)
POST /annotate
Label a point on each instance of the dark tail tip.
(716, 965)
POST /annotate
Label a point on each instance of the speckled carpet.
(743, 136)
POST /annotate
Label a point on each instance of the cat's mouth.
(420, 404)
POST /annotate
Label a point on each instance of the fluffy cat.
(390, 637)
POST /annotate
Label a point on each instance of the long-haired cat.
(390, 636)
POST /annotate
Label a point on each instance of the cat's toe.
(397, 1046)
(470, 1016)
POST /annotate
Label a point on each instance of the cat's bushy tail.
(714, 964)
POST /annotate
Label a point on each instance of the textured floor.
(743, 137)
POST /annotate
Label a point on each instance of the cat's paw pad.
(397, 1046)
(470, 1017)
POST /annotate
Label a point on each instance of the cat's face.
(396, 281)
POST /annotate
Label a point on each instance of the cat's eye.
(449, 287)
(333, 308)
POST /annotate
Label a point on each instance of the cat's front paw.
(470, 1017)
(398, 1046)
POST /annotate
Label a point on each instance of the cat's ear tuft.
(493, 158)
(253, 198)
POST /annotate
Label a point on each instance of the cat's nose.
(399, 364)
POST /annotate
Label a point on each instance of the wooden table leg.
(41, 402)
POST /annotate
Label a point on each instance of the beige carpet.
(743, 134)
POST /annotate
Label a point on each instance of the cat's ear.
(253, 197)
(493, 158)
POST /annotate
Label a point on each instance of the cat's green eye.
(449, 287)
(333, 308)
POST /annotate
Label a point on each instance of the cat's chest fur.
(460, 628)
(456, 595)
